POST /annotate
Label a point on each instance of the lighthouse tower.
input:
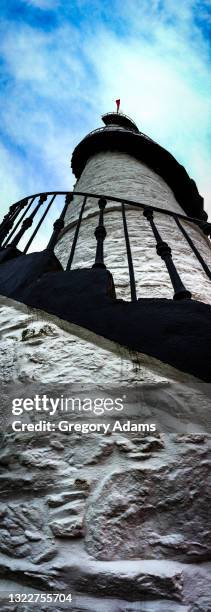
(153, 241)
(109, 499)
(120, 162)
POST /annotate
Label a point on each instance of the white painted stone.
(118, 174)
(121, 175)
(35, 348)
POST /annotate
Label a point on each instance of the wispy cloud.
(43, 4)
(64, 65)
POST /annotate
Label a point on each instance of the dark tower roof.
(118, 119)
(120, 133)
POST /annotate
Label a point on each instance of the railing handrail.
(164, 211)
(116, 127)
(10, 249)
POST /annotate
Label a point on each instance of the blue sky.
(63, 64)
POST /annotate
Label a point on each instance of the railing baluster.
(39, 224)
(129, 257)
(59, 224)
(19, 220)
(194, 248)
(100, 234)
(10, 214)
(28, 222)
(6, 217)
(9, 219)
(164, 251)
(205, 227)
(72, 252)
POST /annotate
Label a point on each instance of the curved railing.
(33, 210)
(105, 128)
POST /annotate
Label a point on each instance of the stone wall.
(35, 349)
(121, 520)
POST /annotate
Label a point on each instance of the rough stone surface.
(125, 177)
(34, 348)
(69, 503)
(153, 513)
(23, 533)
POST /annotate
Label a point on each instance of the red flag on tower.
(117, 105)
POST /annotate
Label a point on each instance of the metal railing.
(117, 127)
(32, 212)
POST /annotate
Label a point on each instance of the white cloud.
(11, 178)
(164, 84)
(43, 4)
(64, 80)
